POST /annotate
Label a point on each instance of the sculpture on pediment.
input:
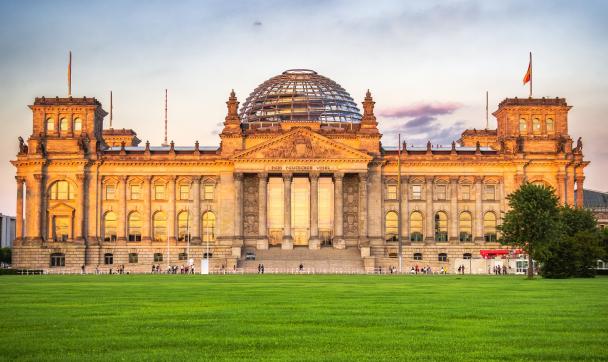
(300, 147)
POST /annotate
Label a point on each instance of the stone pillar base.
(365, 251)
(314, 243)
(287, 243)
(262, 244)
(339, 244)
(236, 251)
(369, 264)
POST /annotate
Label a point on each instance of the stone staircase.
(322, 261)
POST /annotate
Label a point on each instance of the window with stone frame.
(208, 191)
(550, 125)
(208, 226)
(523, 126)
(184, 192)
(465, 192)
(159, 192)
(63, 125)
(159, 226)
(135, 191)
(391, 226)
(441, 226)
(416, 225)
(110, 192)
(108, 258)
(416, 192)
(134, 226)
(442, 257)
(536, 129)
(183, 226)
(441, 192)
(467, 256)
(489, 226)
(417, 256)
(133, 258)
(465, 225)
(57, 259)
(62, 190)
(391, 191)
(158, 257)
(182, 256)
(50, 124)
(489, 192)
(77, 125)
(110, 226)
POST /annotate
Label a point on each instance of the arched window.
(466, 256)
(550, 125)
(442, 257)
(61, 227)
(465, 224)
(536, 125)
(417, 256)
(390, 227)
(158, 257)
(416, 226)
(133, 258)
(208, 226)
(77, 125)
(62, 190)
(108, 258)
(110, 223)
(135, 226)
(441, 226)
(183, 226)
(523, 126)
(57, 259)
(50, 124)
(160, 226)
(63, 124)
(489, 226)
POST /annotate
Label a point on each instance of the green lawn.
(282, 317)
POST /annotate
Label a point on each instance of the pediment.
(301, 144)
(61, 208)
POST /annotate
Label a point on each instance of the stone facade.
(81, 201)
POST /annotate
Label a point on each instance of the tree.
(576, 220)
(532, 222)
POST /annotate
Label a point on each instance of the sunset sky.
(428, 64)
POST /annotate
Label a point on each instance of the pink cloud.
(421, 109)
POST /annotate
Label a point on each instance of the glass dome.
(299, 95)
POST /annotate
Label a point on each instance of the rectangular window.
(133, 258)
(135, 192)
(391, 192)
(489, 192)
(110, 192)
(208, 192)
(441, 192)
(465, 192)
(184, 192)
(416, 192)
(159, 192)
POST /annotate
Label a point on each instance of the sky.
(428, 64)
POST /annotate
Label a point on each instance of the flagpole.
(531, 75)
(70, 75)
(487, 122)
(399, 213)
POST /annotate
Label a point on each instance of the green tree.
(575, 220)
(587, 250)
(532, 222)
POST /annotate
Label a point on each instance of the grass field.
(282, 317)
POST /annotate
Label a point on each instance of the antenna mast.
(111, 109)
(165, 142)
(487, 122)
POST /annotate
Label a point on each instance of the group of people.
(461, 269)
(119, 270)
(260, 268)
(498, 270)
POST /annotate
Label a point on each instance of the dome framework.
(299, 95)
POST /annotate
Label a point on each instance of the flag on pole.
(528, 75)
(70, 75)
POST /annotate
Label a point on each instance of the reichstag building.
(300, 171)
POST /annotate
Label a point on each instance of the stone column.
(146, 233)
(363, 240)
(34, 209)
(262, 243)
(338, 241)
(122, 209)
(79, 223)
(579, 190)
(94, 205)
(404, 213)
(454, 235)
(238, 209)
(287, 238)
(314, 242)
(19, 209)
(478, 216)
(171, 216)
(561, 176)
(430, 215)
(196, 213)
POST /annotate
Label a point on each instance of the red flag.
(528, 76)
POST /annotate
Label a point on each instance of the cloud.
(421, 109)
(418, 123)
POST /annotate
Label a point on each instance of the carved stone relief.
(351, 206)
(250, 205)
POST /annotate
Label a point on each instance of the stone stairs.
(322, 261)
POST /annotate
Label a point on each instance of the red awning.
(489, 253)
